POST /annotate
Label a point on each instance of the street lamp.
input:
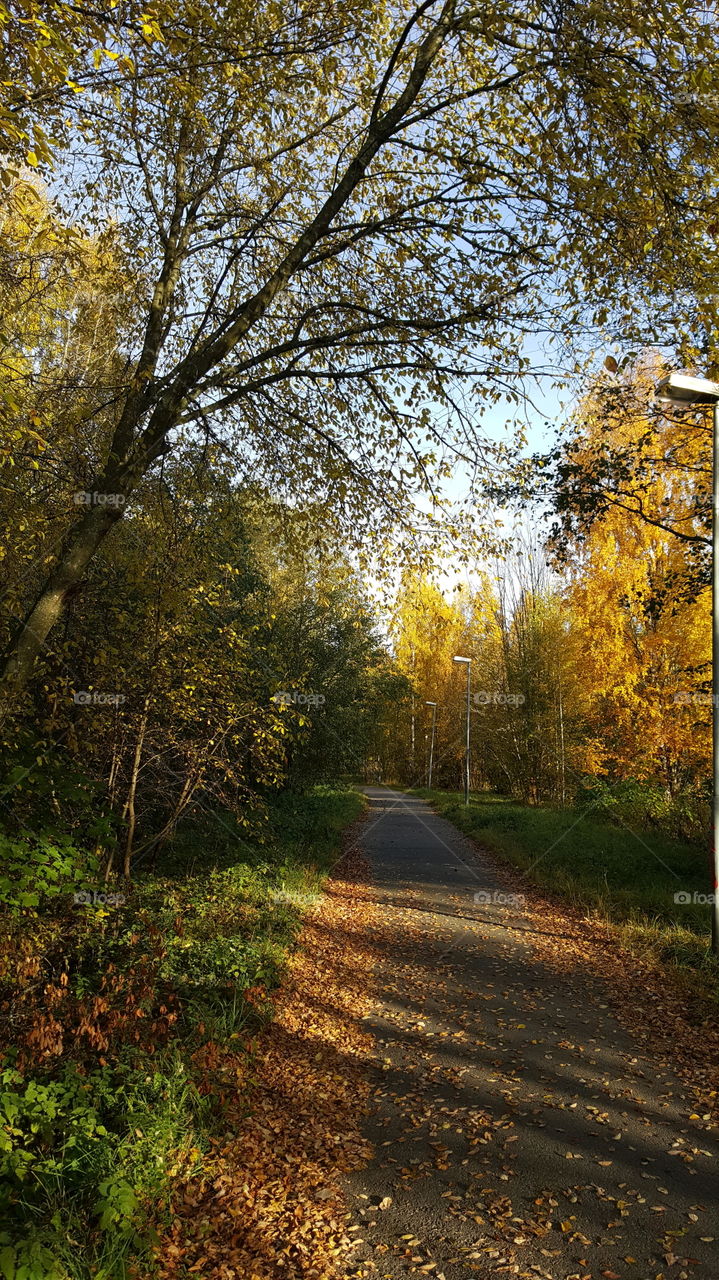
(468, 662)
(433, 705)
(682, 390)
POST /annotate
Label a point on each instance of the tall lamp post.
(683, 391)
(433, 705)
(468, 662)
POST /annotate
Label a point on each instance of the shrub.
(37, 869)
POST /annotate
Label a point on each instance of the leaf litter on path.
(451, 1110)
(270, 1203)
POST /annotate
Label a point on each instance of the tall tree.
(530, 729)
(633, 530)
(428, 629)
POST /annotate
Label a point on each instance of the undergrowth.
(113, 1002)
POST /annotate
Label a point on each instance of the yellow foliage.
(644, 624)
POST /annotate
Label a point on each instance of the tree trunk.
(130, 806)
(562, 754)
(412, 771)
(108, 855)
(82, 543)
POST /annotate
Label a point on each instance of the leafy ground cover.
(120, 1009)
(650, 887)
(269, 1203)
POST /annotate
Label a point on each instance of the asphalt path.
(518, 1130)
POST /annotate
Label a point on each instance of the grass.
(628, 877)
(90, 1143)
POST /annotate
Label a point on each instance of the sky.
(547, 407)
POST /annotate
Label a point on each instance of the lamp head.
(682, 388)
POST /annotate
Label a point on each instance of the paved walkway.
(518, 1129)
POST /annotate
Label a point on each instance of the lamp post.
(433, 705)
(468, 662)
(681, 390)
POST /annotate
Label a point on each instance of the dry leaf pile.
(270, 1202)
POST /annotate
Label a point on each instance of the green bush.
(33, 870)
(645, 804)
(47, 1128)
